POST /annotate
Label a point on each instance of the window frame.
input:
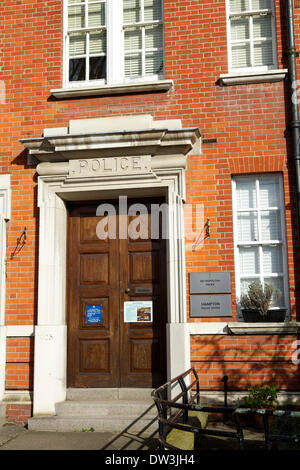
(115, 28)
(260, 243)
(251, 13)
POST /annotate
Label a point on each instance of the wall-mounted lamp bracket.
(23, 238)
(21, 241)
(206, 231)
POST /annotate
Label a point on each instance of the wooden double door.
(108, 347)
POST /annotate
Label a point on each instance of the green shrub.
(261, 397)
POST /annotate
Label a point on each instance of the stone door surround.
(96, 159)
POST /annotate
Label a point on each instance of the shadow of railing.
(144, 438)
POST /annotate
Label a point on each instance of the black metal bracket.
(23, 238)
(289, 52)
(21, 242)
(206, 230)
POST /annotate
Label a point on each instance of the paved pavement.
(18, 438)
(14, 437)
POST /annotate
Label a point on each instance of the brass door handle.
(127, 290)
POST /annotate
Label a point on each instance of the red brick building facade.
(218, 78)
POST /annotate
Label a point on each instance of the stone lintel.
(112, 166)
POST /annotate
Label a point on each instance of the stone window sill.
(119, 89)
(245, 78)
(240, 328)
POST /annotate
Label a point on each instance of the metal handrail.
(168, 421)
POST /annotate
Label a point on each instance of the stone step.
(100, 394)
(122, 408)
(143, 426)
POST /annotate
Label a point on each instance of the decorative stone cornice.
(152, 142)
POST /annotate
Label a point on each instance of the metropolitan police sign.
(210, 283)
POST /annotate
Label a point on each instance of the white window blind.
(86, 40)
(103, 35)
(251, 30)
(143, 37)
(260, 247)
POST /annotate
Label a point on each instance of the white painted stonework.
(118, 88)
(2, 360)
(5, 215)
(49, 367)
(148, 161)
(15, 331)
(242, 78)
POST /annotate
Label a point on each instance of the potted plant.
(260, 398)
(257, 301)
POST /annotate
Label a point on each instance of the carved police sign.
(109, 166)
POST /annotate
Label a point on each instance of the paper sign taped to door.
(138, 312)
(93, 313)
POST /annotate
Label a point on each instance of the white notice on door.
(138, 312)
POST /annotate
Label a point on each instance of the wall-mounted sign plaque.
(210, 306)
(141, 312)
(210, 283)
(93, 313)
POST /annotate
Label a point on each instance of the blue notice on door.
(93, 313)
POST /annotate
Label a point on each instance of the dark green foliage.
(261, 397)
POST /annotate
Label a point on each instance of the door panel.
(143, 346)
(93, 348)
(94, 269)
(107, 273)
(94, 355)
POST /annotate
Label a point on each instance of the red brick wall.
(246, 360)
(248, 121)
(18, 414)
(19, 364)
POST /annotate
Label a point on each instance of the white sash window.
(113, 41)
(251, 35)
(259, 233)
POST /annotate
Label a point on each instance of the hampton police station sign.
(210, 306)
(210, 294)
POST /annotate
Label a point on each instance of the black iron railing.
(173, 413)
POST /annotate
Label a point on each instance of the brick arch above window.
(258, 164)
